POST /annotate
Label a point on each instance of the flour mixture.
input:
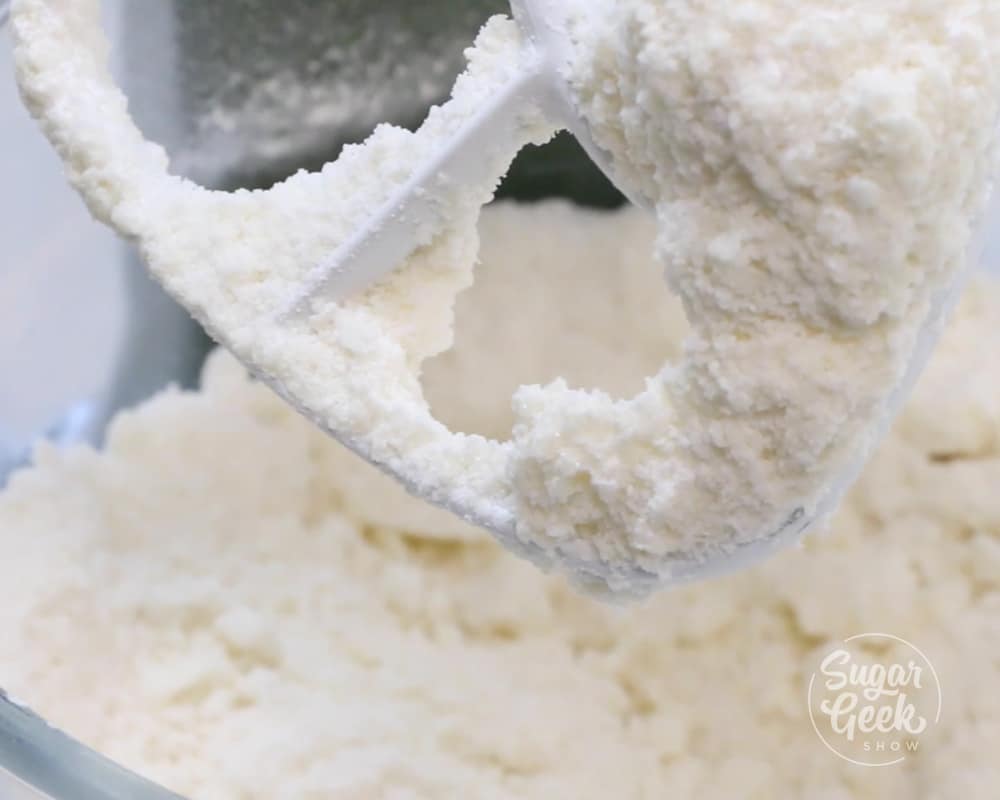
(213, 602)
(817, 175)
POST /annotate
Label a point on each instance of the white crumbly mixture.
(816, 173)
(203, 603)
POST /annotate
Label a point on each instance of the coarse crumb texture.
(201, 603)
(816, 174)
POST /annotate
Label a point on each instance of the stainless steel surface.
(246, 91)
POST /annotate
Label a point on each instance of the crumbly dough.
(816, 177)
(200, 601)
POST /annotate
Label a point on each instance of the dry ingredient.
(207, 601)
(817, 174)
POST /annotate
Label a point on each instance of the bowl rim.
(55, 767)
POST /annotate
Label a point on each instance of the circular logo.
(872, 698)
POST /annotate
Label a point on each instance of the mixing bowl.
(241, 93)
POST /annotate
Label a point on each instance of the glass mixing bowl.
(237, 100)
